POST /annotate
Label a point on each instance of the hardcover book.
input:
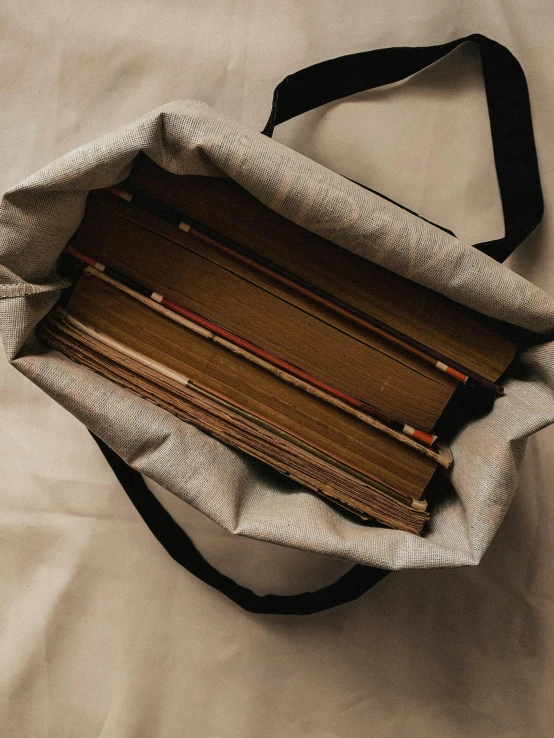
(310, 358)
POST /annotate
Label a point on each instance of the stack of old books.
(197, 297)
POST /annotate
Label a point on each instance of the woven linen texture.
(37, 218)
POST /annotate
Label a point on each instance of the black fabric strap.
(173, 538)
(509, 112)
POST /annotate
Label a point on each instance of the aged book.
(431, 319)
(252, 304)
(323, 447)
(334, 371)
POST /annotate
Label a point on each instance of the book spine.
(416, 438)
(394, 423)
(74, 327)
(439, 361)
(68, 340)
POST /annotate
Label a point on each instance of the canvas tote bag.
(38, 217)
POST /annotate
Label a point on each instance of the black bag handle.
(509, 109)
(358, 580)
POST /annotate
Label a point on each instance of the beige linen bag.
(38, 217)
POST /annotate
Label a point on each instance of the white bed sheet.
(102, 635)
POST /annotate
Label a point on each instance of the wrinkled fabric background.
(101, 633)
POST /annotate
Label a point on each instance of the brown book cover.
(246, 385)
(432, 319)
(336, 455)
(251, 304)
